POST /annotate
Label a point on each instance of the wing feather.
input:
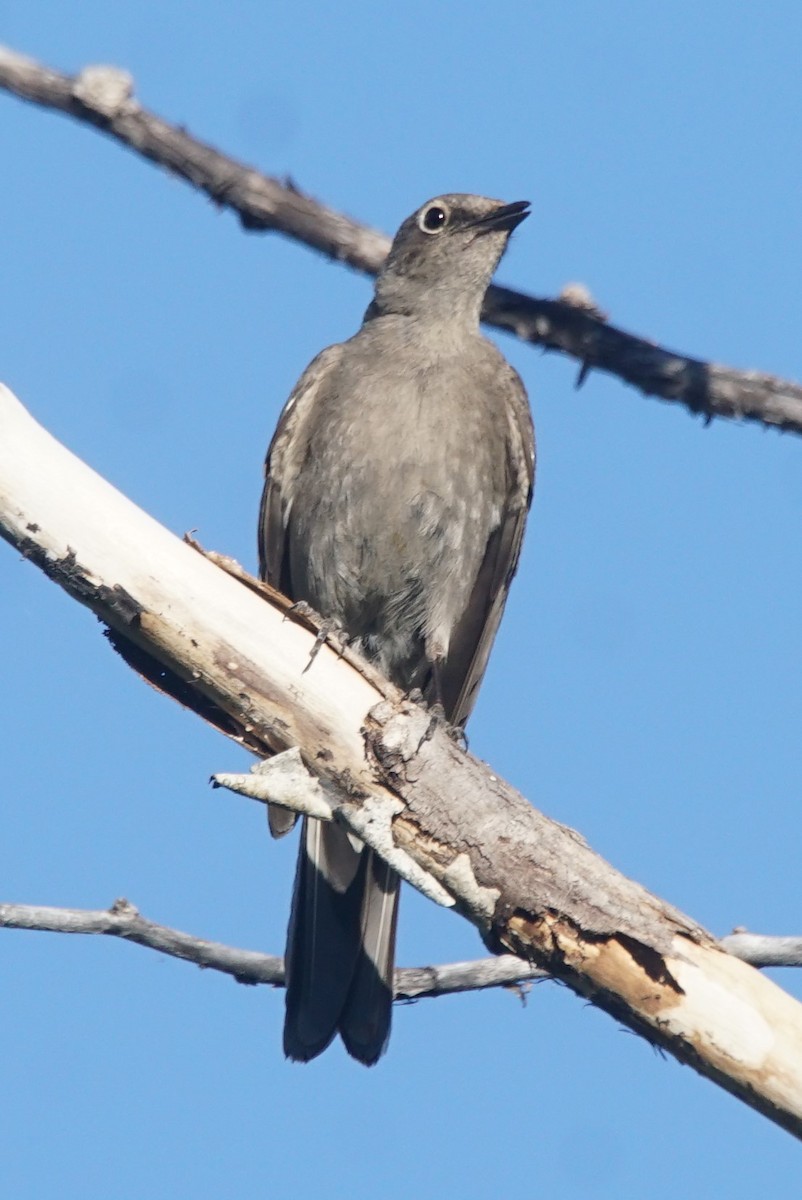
(284, 458)
(472, 639)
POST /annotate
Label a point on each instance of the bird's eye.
(434, 218)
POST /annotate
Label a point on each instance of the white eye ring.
(433, 218)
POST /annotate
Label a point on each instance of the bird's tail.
(340, 947)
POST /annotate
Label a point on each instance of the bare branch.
(530, 886)
(103, 97)
(417, 983)
(762, 950)
(125, 921)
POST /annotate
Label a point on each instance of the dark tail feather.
(340, 947)
(323, 938)
(366, 1018)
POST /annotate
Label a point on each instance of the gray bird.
(397, 487)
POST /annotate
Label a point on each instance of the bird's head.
(443, 257)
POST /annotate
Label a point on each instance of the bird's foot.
(326, 629)
(438, 717)
(330, 631)
(457, 735)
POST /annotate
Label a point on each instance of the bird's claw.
(328, 627)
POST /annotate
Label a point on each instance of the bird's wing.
(472, 639)
(340, 944)
(284, 457)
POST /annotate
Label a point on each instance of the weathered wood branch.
(529, 885)
(764, 951)
(123, 920)
(103, 97)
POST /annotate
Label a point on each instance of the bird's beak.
(506, 217)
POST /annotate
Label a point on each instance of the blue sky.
(645, 687)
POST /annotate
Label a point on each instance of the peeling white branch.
(530, 886)
(286, 781)
(282, 780)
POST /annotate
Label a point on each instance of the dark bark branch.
(103, 97)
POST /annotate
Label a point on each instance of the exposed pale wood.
(529, 885)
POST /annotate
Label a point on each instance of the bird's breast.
(399, 494)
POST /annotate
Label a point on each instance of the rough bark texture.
(455, 807)
(536, 888)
